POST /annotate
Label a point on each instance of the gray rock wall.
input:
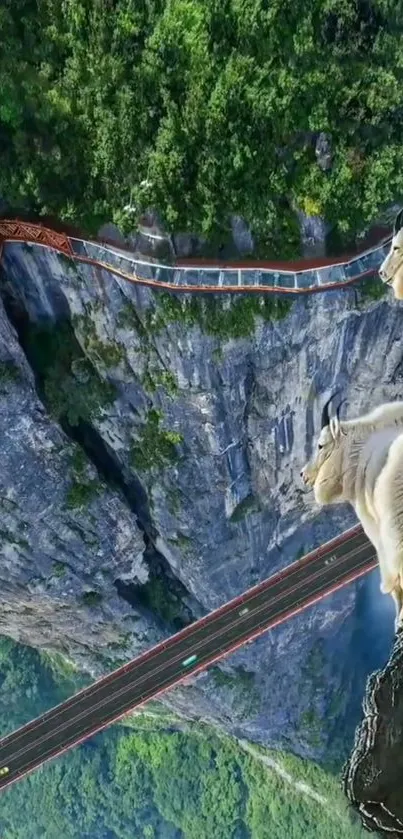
(211, 430)
(56, 555)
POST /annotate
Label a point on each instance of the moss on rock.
(226, 319)
(156, 446)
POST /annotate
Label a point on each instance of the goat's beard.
(397, 284)
(327, 490)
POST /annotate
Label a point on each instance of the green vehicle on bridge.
(188, 661)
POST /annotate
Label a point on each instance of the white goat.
(361, 461)
(391, 270)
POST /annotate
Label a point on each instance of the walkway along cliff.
(302, 276)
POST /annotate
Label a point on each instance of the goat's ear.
(398, 222)
(335, 428)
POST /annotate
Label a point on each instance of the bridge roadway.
(268, 604)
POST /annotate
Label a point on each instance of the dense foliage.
(201, 108)
(150, 783)
(171, 786)
(31, 683)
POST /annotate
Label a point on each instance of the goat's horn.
(325, 411)
(398, 222)
(339, 406)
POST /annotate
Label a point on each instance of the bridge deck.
(199, 645)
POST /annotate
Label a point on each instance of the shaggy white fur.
(391, 270)
(361, 461)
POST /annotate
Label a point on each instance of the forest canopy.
(201, 109)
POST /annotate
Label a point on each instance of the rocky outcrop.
(323, 151)
(373, 775)
(152, 239)
(314, 230)
(64, 535)
(197, 417)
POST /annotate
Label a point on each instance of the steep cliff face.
(197, 416)
(64, 536)
(373, 774)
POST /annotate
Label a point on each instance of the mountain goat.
(391, 270)
(361, 461)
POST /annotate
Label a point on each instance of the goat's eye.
(395, 248)
(320, 446)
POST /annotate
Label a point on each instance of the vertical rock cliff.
(154, 446)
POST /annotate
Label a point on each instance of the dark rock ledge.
(373, 775)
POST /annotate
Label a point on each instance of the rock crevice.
(38, 338)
